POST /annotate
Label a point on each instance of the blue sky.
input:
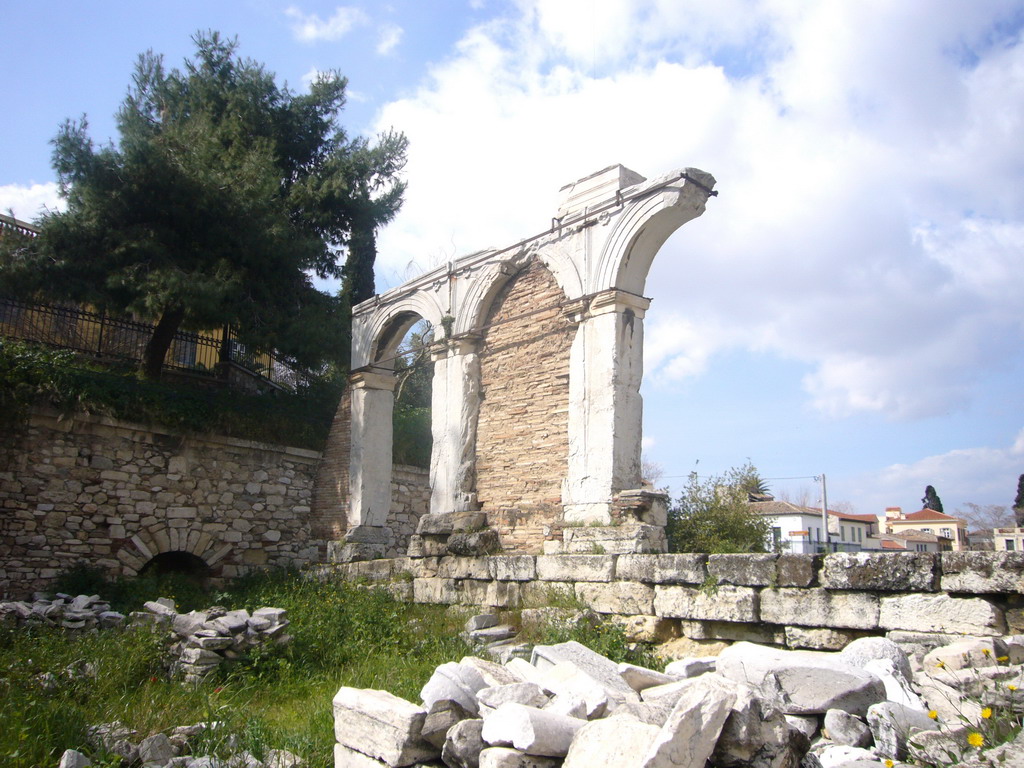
(851, 302)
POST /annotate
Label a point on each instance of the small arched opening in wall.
(178, 563)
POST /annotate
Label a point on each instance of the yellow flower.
(975, 739)
(889, 763)
(1001, 659)
(986, 651)
(940, 664)
(1012, 687)
(986, 712)
(933, 714)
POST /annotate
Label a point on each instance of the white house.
(799, 529)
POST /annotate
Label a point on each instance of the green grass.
(279, 699)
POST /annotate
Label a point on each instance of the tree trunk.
(160, 342)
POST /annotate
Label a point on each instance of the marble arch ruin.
(562, 445)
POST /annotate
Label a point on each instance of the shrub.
(711, 515)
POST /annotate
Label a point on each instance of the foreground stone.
(381, 725)
(533, 731)
(689, 735)
(610, 743)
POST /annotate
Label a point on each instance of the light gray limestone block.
(481, 621)
(807, 724)
(454, 681)
(533, 731)
(185, 624)
(639, 678)
(843, 728)
(880, 571)
(750, 570)
(282, 758)
(567, 679)
(663, 569)
(819, 608)
(941, 613)
(512, 567)
(981, 572)
(897, 688)
(345, 757)
(691, 667)
(801, 682)
(156, 750)
(653, 713)
(528, 694)
(840, 755)
(523, 670)
(690, 733)
(602, 669)
(819, 639)
(503, 757)
(610, 743)
(726, 603)
(575, 568)
(893, 724)
(567, 704)
(440, 718)
(756, 735)
(864, 649)
(74, 759)
(160, 608)
(381, 725)
(947, 702)
(969, 653)
(463, 745)
(490, 672)
(945, 747)
(668, 692)
(618, 597)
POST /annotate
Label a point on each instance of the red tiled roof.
(857, 518)
(889, 544)
(926, 514)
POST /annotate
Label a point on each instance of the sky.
(850, 305)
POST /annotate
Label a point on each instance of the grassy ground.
(278, 699)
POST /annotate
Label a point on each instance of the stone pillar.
(605, 408)
(373, 403)
(454, 409)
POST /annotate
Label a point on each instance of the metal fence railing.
(105, 336)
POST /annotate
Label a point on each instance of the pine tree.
(225, 193)
(931, 499)
(1018, 502)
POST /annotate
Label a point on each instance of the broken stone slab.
(568, 704)
(533, 731)
(346, 757)
(482, 621)
(528, 694)
(381, 725)
(493, 673)
(756, 735)
(281, 758)
(842, 756)
(893, 724)
(446, 523)
(567, 679)
(843, 728)
(863, 650)
(691, 667)
(503, 757)
(441, 717)
(802, 682)
(497, 634)
(690, 733)
(74, 759)
(456, 682)
(156, 750)
(639, 678)
(942, 613)
(610, 743)
(969, 653)
(160, 608)
(897, 688)
(603, 670)
(463, 745)
(185, 624)
(668, 692)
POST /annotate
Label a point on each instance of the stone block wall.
(410, 500)
(89, 489)
(522, 434)
(799, 601)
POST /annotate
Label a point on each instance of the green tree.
(931, 499)
(1018, 502)
(225, 194)
(712, 515)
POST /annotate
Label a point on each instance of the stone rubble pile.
(81, 612)
(869, 705)
(203, 640)
(169, 750)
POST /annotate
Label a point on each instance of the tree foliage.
(225, 194)
(931, 500)
(1018, 501)
(712, 515)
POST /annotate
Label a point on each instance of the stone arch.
(484, 288)
(645, 225)
(374, 325)
(160, 538)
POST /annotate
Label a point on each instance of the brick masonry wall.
(522, 433)
(330, 492)
(89, 489)
(798, 601)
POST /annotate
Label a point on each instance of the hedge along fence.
(801, 601)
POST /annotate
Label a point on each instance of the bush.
(711, 515)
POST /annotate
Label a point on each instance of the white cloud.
(310, 28)
(390, 35)
(869, 224)
(28, 202)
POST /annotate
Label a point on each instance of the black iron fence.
(117, 338)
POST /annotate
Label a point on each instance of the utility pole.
(824, 510)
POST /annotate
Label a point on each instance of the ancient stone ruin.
(538, 350)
